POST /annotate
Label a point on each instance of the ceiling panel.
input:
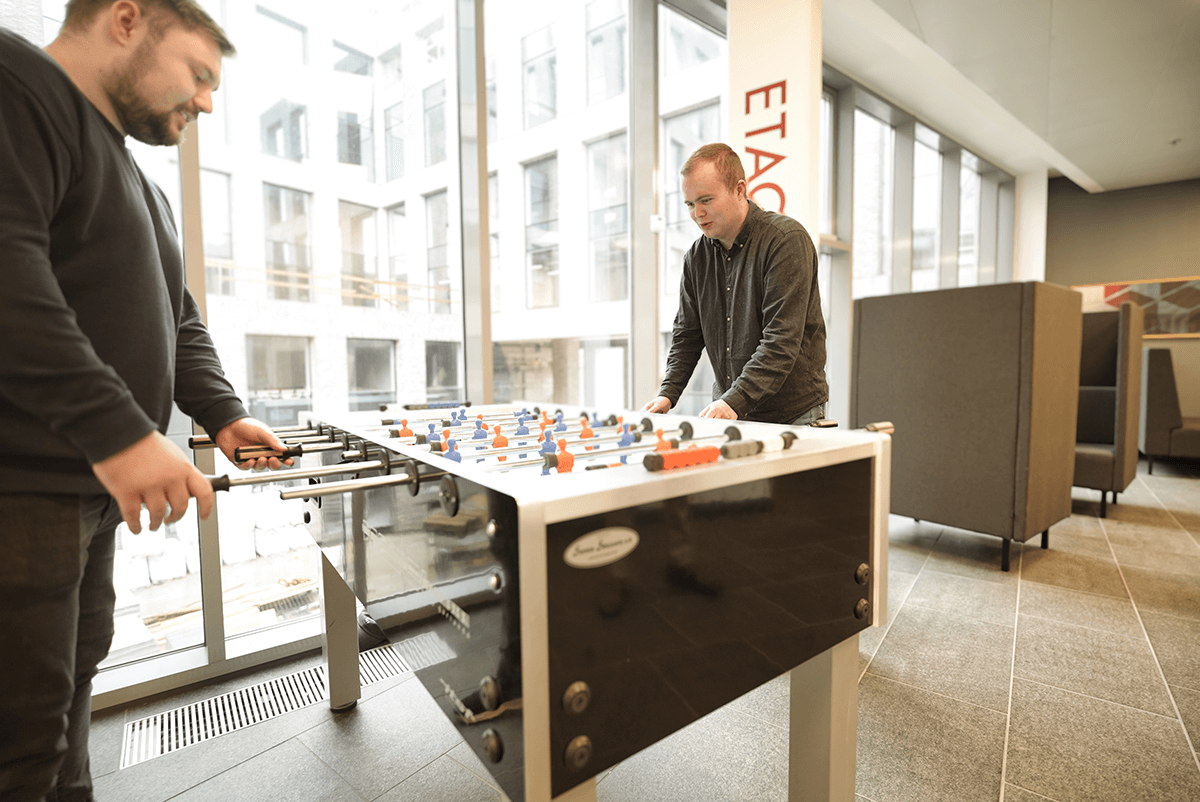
(1106, 84)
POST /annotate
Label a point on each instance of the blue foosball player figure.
(548, 447)
(433, 436)
(452, 452)
(560, 426)
(626, 440)
(480, 432)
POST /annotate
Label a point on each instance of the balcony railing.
(291, 282)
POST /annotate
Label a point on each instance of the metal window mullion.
(642, 164)
(212, 603)
(951, 197)
(988, 227)
(902, 206)
(471, 93)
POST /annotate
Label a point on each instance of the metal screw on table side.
(576, 698)
(491, 529)
(863, 575)
(495, 582)
(448, 494)
(493, 747)
(579, 752)
(862, 609)
(489, 693)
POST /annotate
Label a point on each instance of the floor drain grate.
(185, 726)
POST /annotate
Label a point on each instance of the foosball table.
(601, 583)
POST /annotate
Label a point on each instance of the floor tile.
(1072, 570)
(916, 746)
(1014, 794)
(1084, 609)
(1176, 643)
(725, 756)
(1188, 702)
(948, 654)
(443, 780)
(1169, 594)
(385, 740)
(164, 777)
(1117, 668)
(105, 741)
(971, 554)
(287, 773)
(909, 543)
(1072, 747)
(770, 703)
(994, 602)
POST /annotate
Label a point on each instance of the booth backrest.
(982, 386)
(1162, 402)
(1129, 395)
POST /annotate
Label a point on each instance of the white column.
(1029, 227)
(775, 103)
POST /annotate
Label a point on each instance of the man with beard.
(98, 336)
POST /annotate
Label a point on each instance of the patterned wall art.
(1172, 306)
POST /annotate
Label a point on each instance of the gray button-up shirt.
(756, 309)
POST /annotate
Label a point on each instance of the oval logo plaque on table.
(601, 547)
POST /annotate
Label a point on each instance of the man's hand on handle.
(250, 432)
(153, 471)
(661, 404)
(719, 409)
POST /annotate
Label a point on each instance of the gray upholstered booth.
(1168, 433)
(982, 384)
(1110, 391)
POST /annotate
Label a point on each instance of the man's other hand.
(153, 471)
(250, 432)
(661, 404)
(719, 409)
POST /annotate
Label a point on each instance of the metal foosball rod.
(228, 482)
(254, 452)
(284, 433)
(410, 477)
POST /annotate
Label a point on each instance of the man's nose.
(203, 101)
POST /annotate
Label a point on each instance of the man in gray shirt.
(749, 297)
(99, 336)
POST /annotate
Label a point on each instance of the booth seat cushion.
(1094, 465)
(1185, 441)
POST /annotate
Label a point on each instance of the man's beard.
(139, 120)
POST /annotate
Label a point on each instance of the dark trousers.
(56, 626)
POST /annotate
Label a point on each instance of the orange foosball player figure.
(661, 445)
(499, 441)
(404, 430)
(586, 432)
(565, 461)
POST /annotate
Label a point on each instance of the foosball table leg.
(340, 639)
(824, 726)
(584, 792)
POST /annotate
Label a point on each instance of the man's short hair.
(187, 12)
(724, 158)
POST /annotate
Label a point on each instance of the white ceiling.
(1106, 92)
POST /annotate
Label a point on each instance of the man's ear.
(124, 21)
(740, 189)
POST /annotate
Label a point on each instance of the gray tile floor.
(1076, 676)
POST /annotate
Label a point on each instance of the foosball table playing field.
(602, 582)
